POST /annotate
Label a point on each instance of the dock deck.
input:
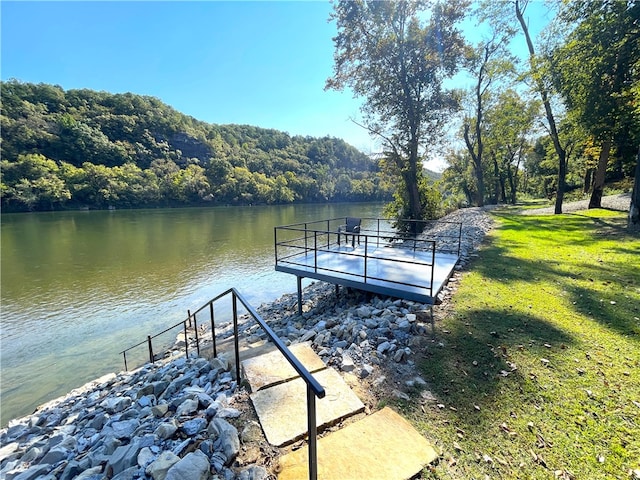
(377, 260)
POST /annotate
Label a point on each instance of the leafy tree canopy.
(396, 55)
(82, 148)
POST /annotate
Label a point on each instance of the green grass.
(537, 366)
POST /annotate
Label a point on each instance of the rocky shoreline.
(188, 418)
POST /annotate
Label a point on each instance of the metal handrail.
(382, 233)
(314, 389)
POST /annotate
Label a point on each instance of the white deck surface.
(397, 272)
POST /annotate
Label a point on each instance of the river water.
(77, 288)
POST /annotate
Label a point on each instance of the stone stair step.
(382, 446)
(272, 368)
(282, 408)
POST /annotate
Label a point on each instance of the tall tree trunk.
(477, 167)
(562, 183)
(512, 185)
(415, 206)
(588, 180)
(598, 182)
(513, 178)
(634, 208)
(553, 131)
(496, 179)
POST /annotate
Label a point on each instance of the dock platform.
(376, 259)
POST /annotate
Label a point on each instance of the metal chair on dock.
(352, 227)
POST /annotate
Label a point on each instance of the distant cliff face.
(190, 147)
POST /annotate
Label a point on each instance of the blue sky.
(256, 63)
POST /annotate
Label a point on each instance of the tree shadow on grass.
(591, 286)
(468, 364)
(616, 303)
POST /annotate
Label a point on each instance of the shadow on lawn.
(603, 289)
(468, 363)
(616, 303)
(473, 355)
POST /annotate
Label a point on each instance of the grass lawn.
(536, 369)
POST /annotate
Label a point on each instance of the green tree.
(509, 121)
(190, 185)
(539, 75)
(489, 62)
(458, 178)
(33, 181)
(396, 57)
(634, 208)
(595, 68)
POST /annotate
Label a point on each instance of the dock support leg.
(433, 321)
(299, 295)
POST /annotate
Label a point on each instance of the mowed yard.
(535, 371)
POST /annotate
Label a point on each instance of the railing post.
(312, 433)
(235, 335)
(433, 266)
(315, 251)
(213, 331)
(186, 340)
(459, 238)
(125, 361)
(195, 329)
(329, 235)
(366, 247)
(150, 349)
(306, 247)
(299, 282)
(189, 316)
(275, 242)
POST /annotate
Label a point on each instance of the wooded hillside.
(82, 148)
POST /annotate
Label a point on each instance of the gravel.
(620, 202)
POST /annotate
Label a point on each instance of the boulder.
(159, 468)
(194, 466)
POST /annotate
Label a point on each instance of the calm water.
(79, 287)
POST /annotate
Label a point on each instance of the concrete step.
(272, 368)
(382, 446)
(282, 408)
(279, 395)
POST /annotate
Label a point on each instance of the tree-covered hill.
(82, 148)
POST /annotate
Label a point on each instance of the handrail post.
(213, 331)
(306, 247)
(275, 242)
(329, 235)
(235, 334)
(189, 316)
(195, 328)
(433, 266)
(315, 251)
(186, 340)
(150, 349)
(312, 433)
(366, 247)
(299, 284)
(125, 361)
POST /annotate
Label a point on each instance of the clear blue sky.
(256, 63)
